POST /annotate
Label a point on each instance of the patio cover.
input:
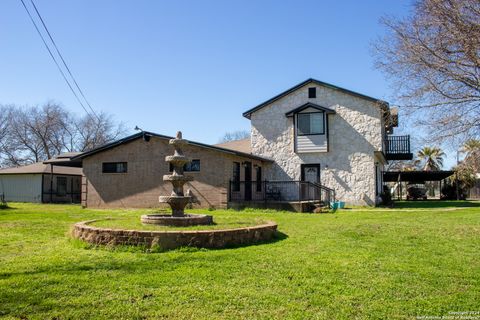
(416, 176)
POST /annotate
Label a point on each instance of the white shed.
(40, 182)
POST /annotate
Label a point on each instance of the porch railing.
(279, 191)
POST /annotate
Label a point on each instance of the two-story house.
(327, 135)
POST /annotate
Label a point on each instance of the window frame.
(309, 113)
(312, 92)
(105, 164)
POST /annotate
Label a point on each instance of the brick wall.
(143, 183)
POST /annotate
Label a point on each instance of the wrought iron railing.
(279, 191)
(397, 144)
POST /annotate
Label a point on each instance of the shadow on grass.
(426, 204)
(6, 207)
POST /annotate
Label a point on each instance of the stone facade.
(355, 136)
(143, 183)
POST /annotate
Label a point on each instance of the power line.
(55, 60)
(63, 60)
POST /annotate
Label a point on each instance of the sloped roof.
(248, 113)
(309, 105)
(147, 135)
(40, 168)
(242, 145)
(65, 159)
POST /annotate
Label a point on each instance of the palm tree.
(472, 158)
(432, 157)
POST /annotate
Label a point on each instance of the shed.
(42, 183)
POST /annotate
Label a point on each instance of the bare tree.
(94, 132)
(234, 135)
(433, 58)
(29, 135)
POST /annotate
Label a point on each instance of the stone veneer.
(167, 240)
(355, 133)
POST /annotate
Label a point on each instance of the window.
(193, 166)
(259, 179)
(236, 176)
(310, 123)
(61, 186)
(312, 92)
(114, 167)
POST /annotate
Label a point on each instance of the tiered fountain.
(177, 200)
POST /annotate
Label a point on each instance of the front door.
(311, 173)
(248, 181)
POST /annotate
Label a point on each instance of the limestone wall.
(355, 133)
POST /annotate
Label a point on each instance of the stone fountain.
(177, 200)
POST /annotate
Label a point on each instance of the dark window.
(312, 92)
(236, 176)
(114, 167)
(310, 123)
(259, 179)
(193, 166)
(61, 186)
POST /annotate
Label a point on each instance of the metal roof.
(416, 176)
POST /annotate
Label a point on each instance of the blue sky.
(146, 62)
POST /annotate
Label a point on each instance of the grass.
(354, 264)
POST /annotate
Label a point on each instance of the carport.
(412, 177)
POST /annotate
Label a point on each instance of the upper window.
(192, 166)
(114, 167)
(312, 92)
(310, 123)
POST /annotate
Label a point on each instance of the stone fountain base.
(186, 220)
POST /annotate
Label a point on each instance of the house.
(310, 144)
(330, 136)
(129, 172)
(42, 182)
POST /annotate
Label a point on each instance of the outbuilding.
(42, 183)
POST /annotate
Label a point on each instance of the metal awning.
(416, 176)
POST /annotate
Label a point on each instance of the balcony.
(398, 148)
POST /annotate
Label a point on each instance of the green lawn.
(354, 264)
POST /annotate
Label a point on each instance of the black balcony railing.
(398, 148)
(279, 191)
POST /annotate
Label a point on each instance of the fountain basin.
(186, 220)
